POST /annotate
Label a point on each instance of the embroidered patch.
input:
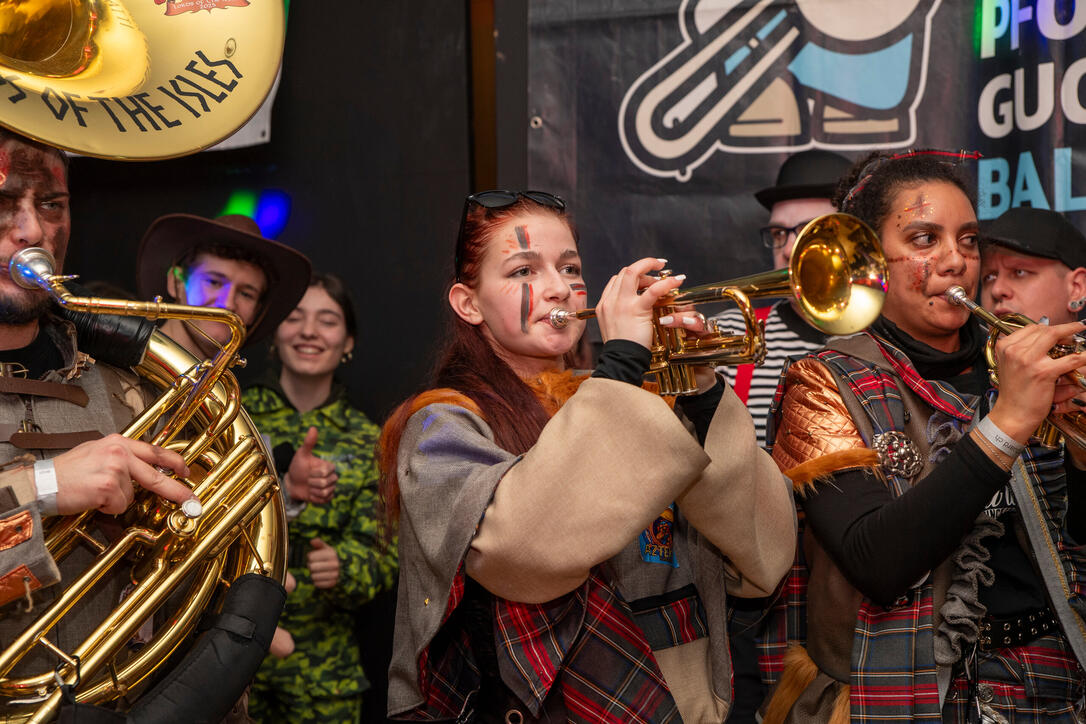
(898, 455)
(658, 541)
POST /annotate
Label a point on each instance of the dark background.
(370, 138)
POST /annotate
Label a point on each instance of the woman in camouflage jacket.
(335, 549)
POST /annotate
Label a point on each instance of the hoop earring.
(347, 357)
(1076, 305)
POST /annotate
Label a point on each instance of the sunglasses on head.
(499, 200)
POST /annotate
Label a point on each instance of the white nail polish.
(662, 261)
(192, 508)
(666, 319)
(689, 320)
(680, 277)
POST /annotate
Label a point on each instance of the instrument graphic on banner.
(837, 276)
(241, 529)
(1071, 425)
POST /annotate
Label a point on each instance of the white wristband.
(45, 480)
(1001, 440)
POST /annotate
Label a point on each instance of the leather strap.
(56, 390)
(52, 440)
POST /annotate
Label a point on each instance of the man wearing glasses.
(805, 184)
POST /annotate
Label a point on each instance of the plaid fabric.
(1036, 683)
(586, 641)
(893, 667)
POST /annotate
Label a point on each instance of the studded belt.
(998, 633)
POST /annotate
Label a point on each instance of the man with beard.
(60, 410)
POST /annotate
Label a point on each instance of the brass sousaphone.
(139, 80)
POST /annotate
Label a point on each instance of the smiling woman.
(335, 551)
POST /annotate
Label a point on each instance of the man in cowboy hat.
(805, 185)
(225, 263)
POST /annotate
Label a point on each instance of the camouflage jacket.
(326, 662)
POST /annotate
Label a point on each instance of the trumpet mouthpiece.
(559, 318)
(956, 295)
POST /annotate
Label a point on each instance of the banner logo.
(764, 77)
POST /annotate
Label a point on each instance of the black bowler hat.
(806, 175)
(1038, 232)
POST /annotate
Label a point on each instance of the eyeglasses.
(775, 237)
(499, 200)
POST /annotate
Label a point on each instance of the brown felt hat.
(171, 237)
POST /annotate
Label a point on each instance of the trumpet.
(837, 276)
(1071, 425)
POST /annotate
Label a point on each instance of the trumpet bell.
(838, 274)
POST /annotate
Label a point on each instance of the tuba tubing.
(241, 530)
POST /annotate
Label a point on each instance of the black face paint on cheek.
(525, 306)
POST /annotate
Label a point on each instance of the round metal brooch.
(898, 455)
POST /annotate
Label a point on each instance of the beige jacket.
(530, 529)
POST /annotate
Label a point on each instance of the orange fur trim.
(842, 709)
(799, 671)
(444, 396)
(553, 389)
(806, 476)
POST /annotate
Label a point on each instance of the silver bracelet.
(45, 480)
(999, 439)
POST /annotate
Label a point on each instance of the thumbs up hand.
(310, 478)
(323, 564)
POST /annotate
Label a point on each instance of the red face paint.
(579, 289)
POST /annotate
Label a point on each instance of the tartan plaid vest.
(893, 670)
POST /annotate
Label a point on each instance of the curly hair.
(868, 190)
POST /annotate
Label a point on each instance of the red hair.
(467, 363)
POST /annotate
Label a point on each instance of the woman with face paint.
(939, 555)
(566, 545)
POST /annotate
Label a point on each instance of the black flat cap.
(1037, 232)
(806, 175)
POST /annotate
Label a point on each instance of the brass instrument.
(837, 276)
(1071, 425)
(165, 553)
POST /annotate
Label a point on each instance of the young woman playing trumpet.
(565, 542)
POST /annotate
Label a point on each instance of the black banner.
(658, 119)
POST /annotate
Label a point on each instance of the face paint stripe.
(525, 306)
(579, 289)
(522, 237)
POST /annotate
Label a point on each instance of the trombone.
(1071, 425)
(837, 276)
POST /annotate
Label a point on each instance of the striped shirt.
(786, 335)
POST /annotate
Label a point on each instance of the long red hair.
(468, 364)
